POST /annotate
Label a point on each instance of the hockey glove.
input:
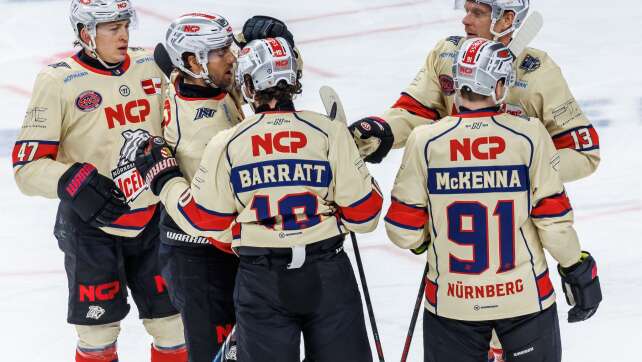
(94, 197)
(420, 249)
(581, 287)
(261, 27)
(373, 137)
(156, 163)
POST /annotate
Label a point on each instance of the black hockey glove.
(94, 197)
(261, 27)
(156, 163)
(373, 137)
(582, 288)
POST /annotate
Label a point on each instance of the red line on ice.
(16, 89)
(354, 11)
(372, 31)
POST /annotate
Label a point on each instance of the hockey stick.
(415, 313)
(334, 110)
(227, 352)
(526, 33)
(162, 59)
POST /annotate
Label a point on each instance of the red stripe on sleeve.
(406, 216)
(553, 206)
(431, 292)
(203, 219)
(544, 286)
(135, 219)
(415, 107)
(225, 247)
(29, 151)
(363, 210)
(581, 139)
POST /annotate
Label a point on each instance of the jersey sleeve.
(573, 134)
(355, 191)
(421, 102)
(207, 206)
(408, 213)
(35, 168)
(552, 213)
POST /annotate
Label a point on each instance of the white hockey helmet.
(499, 7)
(480, 64)
(267, 62)
(90, 13)
(199, 34)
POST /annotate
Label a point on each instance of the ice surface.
(368, 51)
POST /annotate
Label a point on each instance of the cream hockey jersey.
(540, 91)
(79, 113)
(278, 179)
(190, 122)
(484, 190)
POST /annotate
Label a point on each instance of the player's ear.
(506, 21)
(193, 64)
(84, 35)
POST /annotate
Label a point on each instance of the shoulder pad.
(60, 65)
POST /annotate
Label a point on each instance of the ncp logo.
(284, 142)
(482, 148)
(191, 28)
(132, 112)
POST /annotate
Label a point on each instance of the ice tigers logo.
(133, 139)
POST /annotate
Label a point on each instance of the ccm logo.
(132, 112)
(483, 148)
(100, 292)
(284, 142)
(191, 28)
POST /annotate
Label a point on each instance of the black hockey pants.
(274, 305)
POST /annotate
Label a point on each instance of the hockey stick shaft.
(415, 314)
(334, 110)
(366, 295)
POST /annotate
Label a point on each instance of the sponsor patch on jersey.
(125, 175)
(60, 65)
(566, 112)
(204, 112)
(74, 76)
(88, 101)
(521, 84)
(146, 59)
(447, 84)
(151, 86)
(454, 39)
(530, 64)
(514, 110)
(450, 55)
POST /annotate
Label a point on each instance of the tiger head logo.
(133, 139)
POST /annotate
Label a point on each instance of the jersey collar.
(87, 63)
(476, 113)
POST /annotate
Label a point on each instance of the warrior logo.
(125, 175)
(95, 312)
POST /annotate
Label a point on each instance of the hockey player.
(86, 118)
(483, 187)
(202, 101)
(285, 186)
(540, 91)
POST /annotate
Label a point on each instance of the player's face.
(221, 66)
(477, 20)
(112, 40)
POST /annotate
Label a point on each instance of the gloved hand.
(581, 287)
(156, 163)
(420, 249)
(94, 197)
(261, 27)
(373, 137)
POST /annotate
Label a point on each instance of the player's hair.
(281, 92)
(467, 93)
(185, 57)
